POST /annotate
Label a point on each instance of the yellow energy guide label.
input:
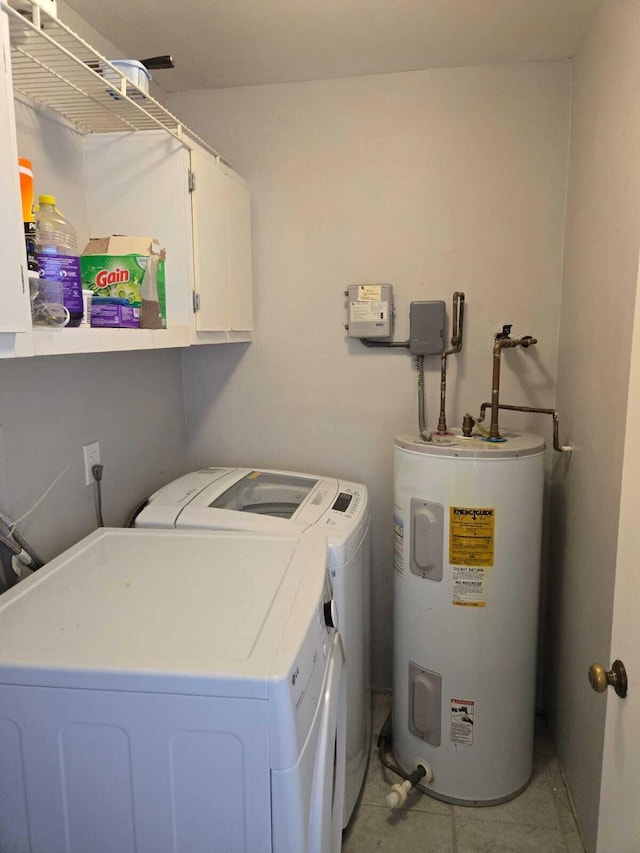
(471, 536)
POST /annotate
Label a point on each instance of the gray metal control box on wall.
(370, 310)
(426, 327)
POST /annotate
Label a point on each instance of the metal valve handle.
(600, 679)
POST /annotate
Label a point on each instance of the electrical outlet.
(91, 458)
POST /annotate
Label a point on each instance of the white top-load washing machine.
(166, 691)
(286, 501)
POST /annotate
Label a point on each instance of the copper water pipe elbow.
(561, 448)
(502, 341)
(458, 321)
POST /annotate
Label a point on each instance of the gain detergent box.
(131, 268)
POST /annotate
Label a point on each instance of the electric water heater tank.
(467, 537)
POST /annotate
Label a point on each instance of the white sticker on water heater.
(469, 586)
(462, 721)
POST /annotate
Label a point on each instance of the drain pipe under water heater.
(397, 795)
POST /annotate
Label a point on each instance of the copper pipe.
(561, 448)
(502, 341)
(456, 346)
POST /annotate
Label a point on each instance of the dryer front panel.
(110, 771)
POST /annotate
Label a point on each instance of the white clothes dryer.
(286, 501)
(169, 690)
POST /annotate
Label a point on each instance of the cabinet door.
(14, 306)
(240, 272)
(211, 249)
(137, 184)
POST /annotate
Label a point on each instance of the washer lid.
(165, 505)
(164, 611)
(238, 501)
(516, 444)
(268, 501)
(266, 493)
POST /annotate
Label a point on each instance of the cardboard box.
(130, 268)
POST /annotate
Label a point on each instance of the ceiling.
(220, 43)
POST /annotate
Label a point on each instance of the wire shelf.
(58, 70)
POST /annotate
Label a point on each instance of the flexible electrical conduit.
(425, 435)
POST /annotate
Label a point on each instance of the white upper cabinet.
(145, 191)
(211, 297)
(222, 247)
(117, 163)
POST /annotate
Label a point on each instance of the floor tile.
(539, 774)
(534, 806)
(556, 779)
(543, 741)
(483, 836)
(574, 842)
(543, 750)
(540, 820)
(385, 831)
(560, 796)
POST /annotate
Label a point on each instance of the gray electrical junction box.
(370, 310)
(426, 327)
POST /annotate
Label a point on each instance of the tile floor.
(540, 820)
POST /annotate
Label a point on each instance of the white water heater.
(467, 538)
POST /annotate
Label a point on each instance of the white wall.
(602, 241)
(50, 406)
(433, 181)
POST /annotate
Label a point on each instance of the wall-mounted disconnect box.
(370, 310)
(426, 327)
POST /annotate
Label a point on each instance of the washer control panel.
(346, 508)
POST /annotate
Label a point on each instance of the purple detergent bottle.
(58, 260)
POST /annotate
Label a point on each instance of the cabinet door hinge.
(196, 302)
(192, 181)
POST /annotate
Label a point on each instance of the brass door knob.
(600, 679)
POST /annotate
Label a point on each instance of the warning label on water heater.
(461, 721)
(469, 588)
(471, 535)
